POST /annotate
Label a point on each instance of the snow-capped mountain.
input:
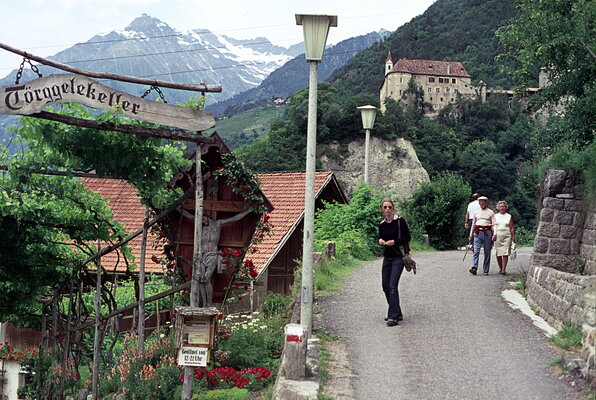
(150, 48)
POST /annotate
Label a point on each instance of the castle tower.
(388, 63)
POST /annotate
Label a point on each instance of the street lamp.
(368, 120)
(316, 29)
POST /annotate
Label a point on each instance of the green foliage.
(568, 336)
(436, 208)
(576, 163)
(225, 394)
(559, 36)
(253, 341)
(248, 126)
(275, 304)
(354, 226)
(330, 274)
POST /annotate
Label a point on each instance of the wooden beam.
(173, 134)
(123, 78)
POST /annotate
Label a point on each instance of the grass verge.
(569, 336)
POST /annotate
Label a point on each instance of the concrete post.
(309, 203)
(295, 351)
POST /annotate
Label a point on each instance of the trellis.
(67, 326)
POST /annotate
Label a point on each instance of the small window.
(455, 90)
(452, 80)
(400, 92)
(440, 80)
(430, 90)
(441, 99)
(446, 90)
(400, 80)
(431, 79)
(438, 90)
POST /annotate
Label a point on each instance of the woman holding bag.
(394, 236)
(505, 236)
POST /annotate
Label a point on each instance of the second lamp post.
(368, 120)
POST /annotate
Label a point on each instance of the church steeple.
(388, 63)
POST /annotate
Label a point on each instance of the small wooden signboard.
(195, 334)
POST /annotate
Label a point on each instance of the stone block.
(565, 217)
(573, 205)
(589, 236)
(560, 246)
(549, 230)
(329, 250)
(555, 204)
(540, 245)
(554, 182)
(568, 231)
(547, 215)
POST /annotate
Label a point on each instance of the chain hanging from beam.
(22, 67)
(158, 90)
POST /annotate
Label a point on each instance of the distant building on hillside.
(441, 81)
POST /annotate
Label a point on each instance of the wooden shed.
(275, 257)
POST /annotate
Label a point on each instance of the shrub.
(224, 394)
(569, 336)
(275, 304)
(438, 208)
(354, 226)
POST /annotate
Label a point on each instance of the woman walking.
(505, 236)
(394, 236)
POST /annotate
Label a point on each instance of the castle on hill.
(441, 82)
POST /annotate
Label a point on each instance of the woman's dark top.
(389, 231)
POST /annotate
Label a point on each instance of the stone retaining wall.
(562, 277)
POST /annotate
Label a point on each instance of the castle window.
(446, 90)
(440, 80)
(430, 90)
(431, 79)
(400, 80)
(455, 90)
(453, 80)
(438, 90)
(441, 99)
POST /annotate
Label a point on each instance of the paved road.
(459, 339)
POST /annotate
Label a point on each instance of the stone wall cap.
(564, 196)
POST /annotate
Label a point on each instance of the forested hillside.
(496, 147)
(453, 30)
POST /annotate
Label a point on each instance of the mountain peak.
(149, 25)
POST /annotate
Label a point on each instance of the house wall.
(438, 90)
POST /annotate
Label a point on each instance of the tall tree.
(559, 36)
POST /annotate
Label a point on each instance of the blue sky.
(45, 27)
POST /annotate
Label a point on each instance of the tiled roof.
(129, 212)
(285, 191)
(431, 67)
(389, 59)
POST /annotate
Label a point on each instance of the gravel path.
(459, 339)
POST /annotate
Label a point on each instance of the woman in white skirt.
(505, 236)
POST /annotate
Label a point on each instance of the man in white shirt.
(473, 206)
(483, 233)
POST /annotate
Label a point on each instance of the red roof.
(129, 212)
(285, 191)
(430, 67)
(389, 59)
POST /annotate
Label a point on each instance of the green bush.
(275, 304)
(569, 336)
(354, 226)
(224, 394)
(438, 208)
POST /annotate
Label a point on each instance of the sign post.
(195, 335)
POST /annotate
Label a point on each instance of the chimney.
(449, 69)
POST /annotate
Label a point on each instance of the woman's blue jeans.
(390, 274)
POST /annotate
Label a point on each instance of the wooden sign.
(31, 97)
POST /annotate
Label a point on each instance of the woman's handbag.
(409, 263)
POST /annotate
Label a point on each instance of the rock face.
(393, 166)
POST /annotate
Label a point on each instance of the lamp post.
(368, 120)
(316, 29)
